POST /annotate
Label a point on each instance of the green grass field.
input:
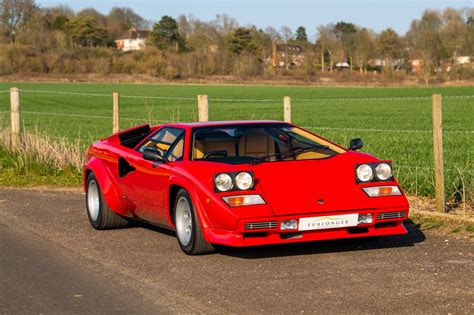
(395, 123)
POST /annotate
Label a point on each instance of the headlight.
(383, 171)
(364, 173)
(223, 182)
(243, 180)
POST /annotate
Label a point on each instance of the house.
(133, 39)
(416, 65)
(287, 55)
(463, 60)
(342, 65)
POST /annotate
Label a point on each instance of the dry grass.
(57, 152)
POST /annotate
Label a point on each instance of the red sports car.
(241, 183)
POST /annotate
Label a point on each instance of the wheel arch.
(175, 185)
(107, 183)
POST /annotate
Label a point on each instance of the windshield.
(259, 143)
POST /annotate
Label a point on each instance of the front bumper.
(387, 221)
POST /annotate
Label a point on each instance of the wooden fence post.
(15, 118)
(116, 112)
(287, 109)
(203, 108)
(438, 152)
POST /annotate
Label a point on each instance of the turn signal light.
(235, 201)
(244, 200)
(379, 191)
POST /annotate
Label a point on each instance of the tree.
(203, 36)
(14, 14)
(468, 47)
(165, 34)
(184, 26)
(59, 23)
(120, 20)
(225, 24)
(389, 46)
(84, 31)
(286, 33)
(453, 33)
(301, 35)
(273, 33)
(241, 41)
(346, 32)
(127, 17)
(330, 44)
(424, 36)
(93, 15)
(364, 48)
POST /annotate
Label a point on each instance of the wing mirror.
(153, 155)
(356, 144)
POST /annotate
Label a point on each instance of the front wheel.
(188, 228)
(101, 217)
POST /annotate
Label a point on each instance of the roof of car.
(222, 123)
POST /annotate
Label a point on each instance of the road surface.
(52, 261)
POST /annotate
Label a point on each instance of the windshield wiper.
(293, 151)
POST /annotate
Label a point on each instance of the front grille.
(260, 225)
(391, 215)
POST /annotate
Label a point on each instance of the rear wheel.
(188, 228)
(101, 217)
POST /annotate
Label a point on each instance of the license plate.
(328, 222)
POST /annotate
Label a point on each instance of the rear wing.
(131, 137)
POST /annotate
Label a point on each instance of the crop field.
(395, 123)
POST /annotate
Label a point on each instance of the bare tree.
(14, 14)
(286, 33)
(424, 36)
(364, 48)
(225, 24)
(329, 42)
(389, 47)
(453, 33)
(184, 26)
(273, 33)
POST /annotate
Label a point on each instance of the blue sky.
(375, 14)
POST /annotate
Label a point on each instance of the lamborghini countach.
(241, 183)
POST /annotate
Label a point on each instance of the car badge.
(321, 201)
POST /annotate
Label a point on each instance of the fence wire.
(305, 127)
(230, 100)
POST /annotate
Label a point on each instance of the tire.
(188, 229)
(101, 217)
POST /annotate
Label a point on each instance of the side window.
(165, 141)
(176, 151)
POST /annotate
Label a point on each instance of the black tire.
(197, 244)
(106, 217)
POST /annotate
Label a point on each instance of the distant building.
(463, 60)
(342, 65)
(416, 65)
(287, 55)
(133, 39)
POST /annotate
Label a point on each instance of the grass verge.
(448, 223)
(25, 170)
(40, 162)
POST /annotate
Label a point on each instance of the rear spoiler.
(131, 137)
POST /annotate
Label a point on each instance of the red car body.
(291, 190)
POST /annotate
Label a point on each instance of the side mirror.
(153, 155)
(356, 144)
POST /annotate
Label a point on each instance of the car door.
(146, 181)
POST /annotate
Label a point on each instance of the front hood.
(312, 186)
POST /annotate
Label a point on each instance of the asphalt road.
(52, 261)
